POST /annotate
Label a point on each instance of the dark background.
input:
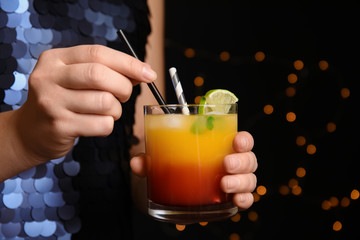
(306, 32)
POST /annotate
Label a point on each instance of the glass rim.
(190, 105)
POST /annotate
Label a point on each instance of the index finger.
(116, 60)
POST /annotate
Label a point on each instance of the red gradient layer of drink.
(185, 156)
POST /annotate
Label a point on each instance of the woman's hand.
(74, 92)
(240, 166)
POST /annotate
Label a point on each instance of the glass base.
(191, 214)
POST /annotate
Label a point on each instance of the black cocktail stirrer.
(151, 85)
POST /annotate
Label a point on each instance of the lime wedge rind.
(220, 98)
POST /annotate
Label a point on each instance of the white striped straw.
(178, 90)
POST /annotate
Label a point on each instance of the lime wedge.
(220, 97)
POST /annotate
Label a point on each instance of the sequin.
(19, 49)
(71, 168)
(27, 174)
(41, 6)
(25, 214)
(20, 81)
(11, 65)
(9, 5)
(46, 21)
(12, 97)
(38, 214)
(3, 19)
(46, 36)
(28, 186)
(5, 51)
(25, 65)
(37, 49)
(76, 12)
(25, 20)
(13, 200)
(43, 185)
(9, 35)
(33, 229)
(14, 20)
(8, 186)
(36, 200)
(32, 35)
(23, 6)
(7, 215)
(54, 199)
(51, 213)
(66, 212)
(49, 228)
(11, 230)
(73, 225)
(6, 80)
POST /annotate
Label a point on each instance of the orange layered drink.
(185, 162)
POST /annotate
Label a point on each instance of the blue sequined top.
(85, 194)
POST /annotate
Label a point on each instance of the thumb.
(138, 165)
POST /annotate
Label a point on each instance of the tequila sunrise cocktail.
(184, 162)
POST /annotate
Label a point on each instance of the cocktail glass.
(185, 161)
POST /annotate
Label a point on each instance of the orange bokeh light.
(337, 226)
(345, 92)
(292, 78)
(290, 116)
(224, 56)
(197, 99)
(261, 190)
(300, 172)
(268, 109)
(259, 56)
(331, 127)
(189, 52)
(354, 194)
(311, 149)
(323, 65)
(300, 141)
(253, 216)
(290, 91)
(180, 227)
(284, 190)
(198, 81)
(298, 64)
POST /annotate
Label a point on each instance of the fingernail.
(149, 75)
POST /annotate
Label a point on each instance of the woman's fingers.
(243, 200)
(243, 142)
(116, 60)
(85, 125)
(93, 67)
(238, 183)
(92, 102)
(240, 163)
(98, 77)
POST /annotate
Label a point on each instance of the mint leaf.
(210, 123)
(201, 124)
